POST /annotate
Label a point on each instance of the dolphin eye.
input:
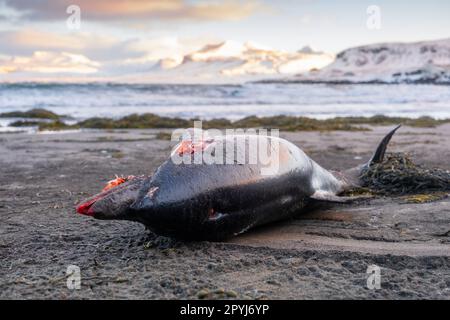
(211, 213)
(214, 215)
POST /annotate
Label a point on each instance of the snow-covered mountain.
(234, 62)
(231, 61)
(419, 62)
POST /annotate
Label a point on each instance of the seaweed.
(56, 125)
(425, 197)
(33, 114)
(135, 121)
(149, 120)
(21, 123)
(399, 175)
(281, 122)
(286, 123)
(291, 123)
(163, 136)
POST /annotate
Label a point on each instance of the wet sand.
(322, 254)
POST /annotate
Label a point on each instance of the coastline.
(44, 120)
(349, 82)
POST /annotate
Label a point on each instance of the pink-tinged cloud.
(137, 9)
(38, 40)
(97, 46)
(49, 62)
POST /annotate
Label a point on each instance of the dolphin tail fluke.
(378, 155)
(351, 177)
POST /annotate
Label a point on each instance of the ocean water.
(228, 101)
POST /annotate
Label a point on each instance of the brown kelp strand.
(399, 175)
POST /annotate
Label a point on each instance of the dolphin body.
(213, 201)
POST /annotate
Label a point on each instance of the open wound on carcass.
(115, 182)
(189, 146)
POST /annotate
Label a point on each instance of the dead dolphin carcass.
(212, 200)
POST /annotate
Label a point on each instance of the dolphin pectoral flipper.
(330, 197)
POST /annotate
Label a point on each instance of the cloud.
(98, 47)
(137, 9)
(157, 48)
(49, 62)
(106, 48)
(28, 39)
(35, 50)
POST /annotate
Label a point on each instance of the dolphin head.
(114, 201)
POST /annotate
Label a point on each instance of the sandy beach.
(323, 254)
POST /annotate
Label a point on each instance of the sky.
(41, 37)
